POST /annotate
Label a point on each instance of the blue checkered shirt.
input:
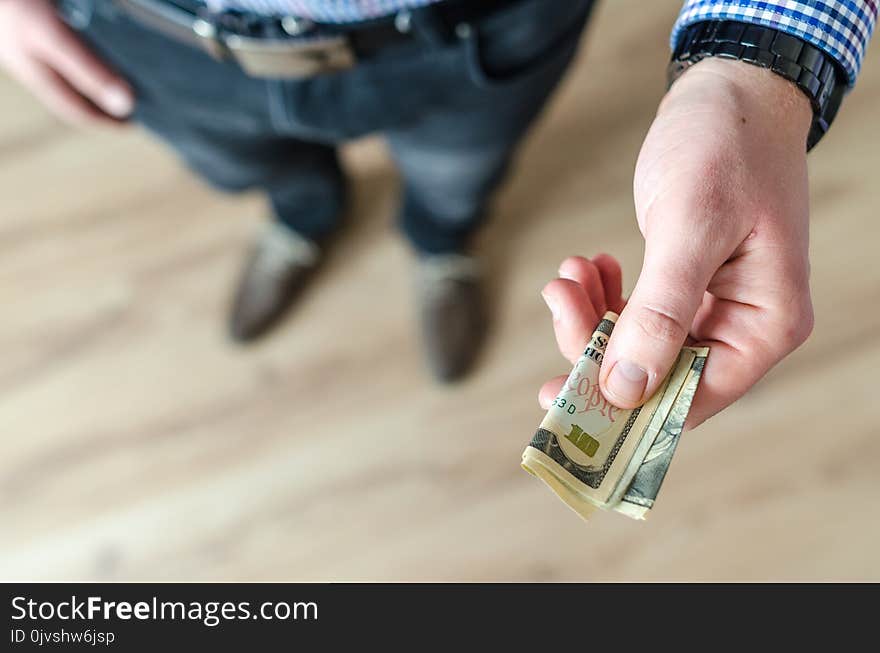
(841, 28)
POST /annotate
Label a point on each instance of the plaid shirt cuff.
(841, 29)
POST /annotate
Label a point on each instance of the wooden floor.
(137, 443)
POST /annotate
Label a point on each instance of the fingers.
(730, 372)
(746, 341)
(49, 59)
(736, 360)
(64, 52)
(580, 297)
(655, 322)
(59, 97)
(612, 281)
(574, 317)
(549, 391)
(584, 272)
(577, 301)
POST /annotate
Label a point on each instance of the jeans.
(452, 111)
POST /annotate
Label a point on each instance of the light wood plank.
(136, 443)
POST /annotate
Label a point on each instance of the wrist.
(738, 91)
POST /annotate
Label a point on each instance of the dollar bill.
(594, 455)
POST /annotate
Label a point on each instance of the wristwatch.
(817, 74)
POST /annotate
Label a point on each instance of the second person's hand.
(48, 58)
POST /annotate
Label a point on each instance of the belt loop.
(403, 21)
(427, 23)
(208, 32)
(296, 26)
(76, 13)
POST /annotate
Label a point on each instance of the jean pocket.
(524, 41)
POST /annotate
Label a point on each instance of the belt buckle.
(209, 38)
(289, 58)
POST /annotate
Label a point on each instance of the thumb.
(655, 323)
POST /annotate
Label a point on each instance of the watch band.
(813, 71)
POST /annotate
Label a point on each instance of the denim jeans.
(452, 110)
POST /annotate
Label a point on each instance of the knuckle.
(580, 269)
(557, 286)
(564, 288)
(661, 324)
(573, 260)
(93, 81)
(37, 29)
(797, 323)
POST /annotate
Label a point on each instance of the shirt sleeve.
(840, 28)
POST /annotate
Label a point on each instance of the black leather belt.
(293, 47)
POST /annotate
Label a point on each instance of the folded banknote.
(595, 455)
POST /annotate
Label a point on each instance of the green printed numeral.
(561, 403)
(583, 441)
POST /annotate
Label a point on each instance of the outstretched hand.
(721, 199)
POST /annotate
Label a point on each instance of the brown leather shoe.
(453, 314)
(277, 269)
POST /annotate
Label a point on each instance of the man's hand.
(722, 200)
(42, 53)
